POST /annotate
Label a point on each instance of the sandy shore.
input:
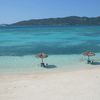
(74, 85)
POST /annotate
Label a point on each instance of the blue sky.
(17, 10)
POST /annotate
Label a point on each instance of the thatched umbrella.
(88, 53)
(42, 56)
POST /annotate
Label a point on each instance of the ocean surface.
(63, 44)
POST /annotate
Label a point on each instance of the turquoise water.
(65, 43)
(25, 40)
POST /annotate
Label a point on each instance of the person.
(88, 61)
(92, 61)
(42, 65)
(46, 64)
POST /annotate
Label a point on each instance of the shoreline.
(30, 64)
(49, 71)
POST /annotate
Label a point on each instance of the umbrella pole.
(42, 64)
(42, 60)
(88, 59)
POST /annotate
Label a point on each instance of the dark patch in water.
(95, 42)
(90, 34)
(55, 48)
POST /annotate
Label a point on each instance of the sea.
(64, 45)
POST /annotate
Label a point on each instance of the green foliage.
(72, 20)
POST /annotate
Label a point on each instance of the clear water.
(19, 42)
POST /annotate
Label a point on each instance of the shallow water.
(24, 64)
(63, 44)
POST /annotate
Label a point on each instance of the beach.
(68, 76)
(83, 84)
(49, 50)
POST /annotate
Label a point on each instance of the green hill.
(72, 20)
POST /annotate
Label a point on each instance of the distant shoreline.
(71, 20)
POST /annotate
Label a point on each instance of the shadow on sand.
(50, 66)
(95, 63)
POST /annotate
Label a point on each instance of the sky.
(12, 11)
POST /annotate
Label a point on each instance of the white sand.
(75, 85)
